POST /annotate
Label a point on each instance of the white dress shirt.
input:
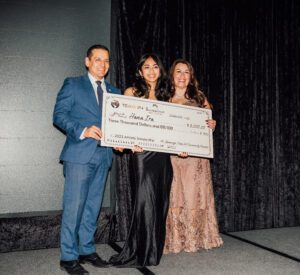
(95, 85)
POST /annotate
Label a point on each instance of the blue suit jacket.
(76, 108)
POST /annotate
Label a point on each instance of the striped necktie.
(100, 100)
(100, 95)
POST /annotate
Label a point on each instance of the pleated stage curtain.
(246, 56)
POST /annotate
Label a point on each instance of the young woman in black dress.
(151, 179)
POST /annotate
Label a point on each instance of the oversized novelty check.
(155, 126)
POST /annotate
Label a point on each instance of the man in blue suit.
(86, 163)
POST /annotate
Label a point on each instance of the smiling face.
(181, 76)
(150, 71)
(98, 63)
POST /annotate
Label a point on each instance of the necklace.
(179, 96)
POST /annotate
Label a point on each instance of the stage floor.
(270, 251)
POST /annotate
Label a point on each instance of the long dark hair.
(142, 88)
(193, 91)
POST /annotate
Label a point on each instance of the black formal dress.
(151, 176)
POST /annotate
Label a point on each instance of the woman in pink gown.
(191, 221)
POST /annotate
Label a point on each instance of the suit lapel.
(109, 88)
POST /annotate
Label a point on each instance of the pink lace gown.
(191, 221)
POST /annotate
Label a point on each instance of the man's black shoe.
(73, 267)
(93, 259)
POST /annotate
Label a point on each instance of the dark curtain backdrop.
(245, 54)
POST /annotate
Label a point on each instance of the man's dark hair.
(97, 46)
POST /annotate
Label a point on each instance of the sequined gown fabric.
(191, 223)
(151, 179)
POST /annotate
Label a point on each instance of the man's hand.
(93, 132)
